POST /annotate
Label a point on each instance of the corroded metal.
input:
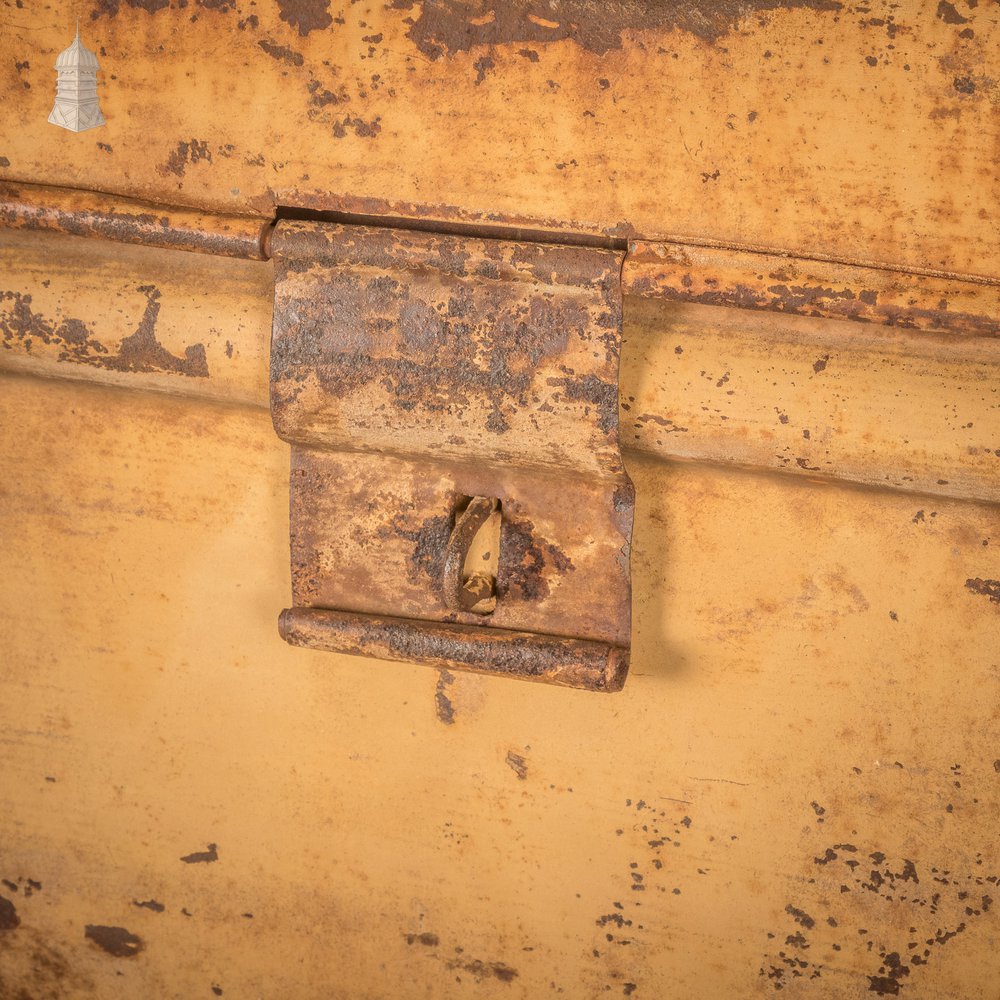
(413, 371)
(89, 213)
(463, 593)
(827, 290)
(525, 655)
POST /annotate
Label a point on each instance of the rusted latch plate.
(438, 391)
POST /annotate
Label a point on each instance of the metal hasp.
(432, 386)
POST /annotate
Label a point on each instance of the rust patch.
(110, 8)
(142, 352)
(518, 763)
(949, 14)
(149, 904)
(424, 938)
(446, 28)
(9, 920)
(769, 283)
(852, 884)
(186, 153)
(202, 857)
(320, 97)
(430, 546)
(282, 53)
(437, 335)
(138, 352)
(443, 707)
(987, 588)
(80, 213)
(480, 970)
(526, 561)
(306, 15)
(115, 941)
(361, 128)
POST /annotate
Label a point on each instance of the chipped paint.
(140, 351)
(116, 941)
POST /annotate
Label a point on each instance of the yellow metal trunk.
(797, 792)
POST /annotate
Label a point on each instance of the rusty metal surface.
(805, 748)
(88, 213)
(820, 289)
(412, 372)
(461, 592)
(864, 132)
(523, 655)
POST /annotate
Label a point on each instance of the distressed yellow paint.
(775, 709)
(815, 664)
(865, 134)
(886, 407)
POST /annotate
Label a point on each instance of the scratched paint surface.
(865, 131)
(798, 786)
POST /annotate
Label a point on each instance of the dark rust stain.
(890, 303)
(202, 857)
(473, 342)
(142, 352)
(590, 389)
(149, 904)
(430, 544)
(518, 763)
(194, 151)
(940, 904)
(67, 212)
(482, 66)
(320, 97)
(138, 352)
(4, 162)
(480, 970)
(987, 588)
(281, 52)
(949, 14)
(443, 707)
(306, 15)
(361, 128)
(424, 938)
(110, 8)
(115, 941)
(445, 28)
(9, 920)
(800, 916)
(526, 560)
